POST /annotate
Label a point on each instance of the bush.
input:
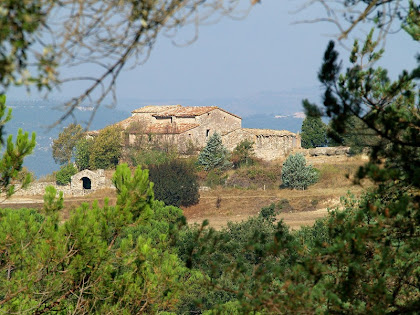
(63, 176)
(144, 158)
(175, 183)
(295, 173)
(243, 154)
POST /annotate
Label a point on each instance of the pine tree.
(314, 132)
(214, 155)
(11, 162)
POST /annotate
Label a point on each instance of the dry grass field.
(221, 204)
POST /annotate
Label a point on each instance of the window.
(207, 132)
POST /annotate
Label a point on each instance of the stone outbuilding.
(90, 180)
(268, 144)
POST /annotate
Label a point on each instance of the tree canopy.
(106, 148)
(63, 147)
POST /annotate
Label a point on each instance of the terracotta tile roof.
(187, 111)
(152, 109)
(127, 122)
(178, 110)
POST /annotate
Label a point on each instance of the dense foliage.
(82, 153)
(214, 154)
(314, 132)
(106, 149)
(63, 176)
(296, 174)
(63, 147)
(175, 183)
(101, 260)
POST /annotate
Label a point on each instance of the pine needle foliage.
(214, 155)
(296, 174)
(11, 162)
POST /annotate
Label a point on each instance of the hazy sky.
(264, 52)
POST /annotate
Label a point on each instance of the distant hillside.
(37, 115)
(263, 121)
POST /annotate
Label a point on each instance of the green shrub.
(295, 173)
(63, 176)
(175, 183)
(243, 154)
(144, 158)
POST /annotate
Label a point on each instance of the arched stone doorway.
(87, 183)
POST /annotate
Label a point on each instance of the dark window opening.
(207, 132)
(87, 184)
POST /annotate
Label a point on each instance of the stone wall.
(96, 178)
(75, 188)
(38, 189)
(268, 144)
(325, 151)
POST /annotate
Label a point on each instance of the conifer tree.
(214, 155)
(314, 132)
(296, 174)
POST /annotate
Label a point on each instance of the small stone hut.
(88, 179)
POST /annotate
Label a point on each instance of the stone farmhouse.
(186, 126)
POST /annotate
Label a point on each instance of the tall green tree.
(106, 148)
(314, 132)
(63, 147)
(214, 155)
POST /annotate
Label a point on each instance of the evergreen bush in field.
(295, 173)
(214, 155)
(175, 183)
(65, 173)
